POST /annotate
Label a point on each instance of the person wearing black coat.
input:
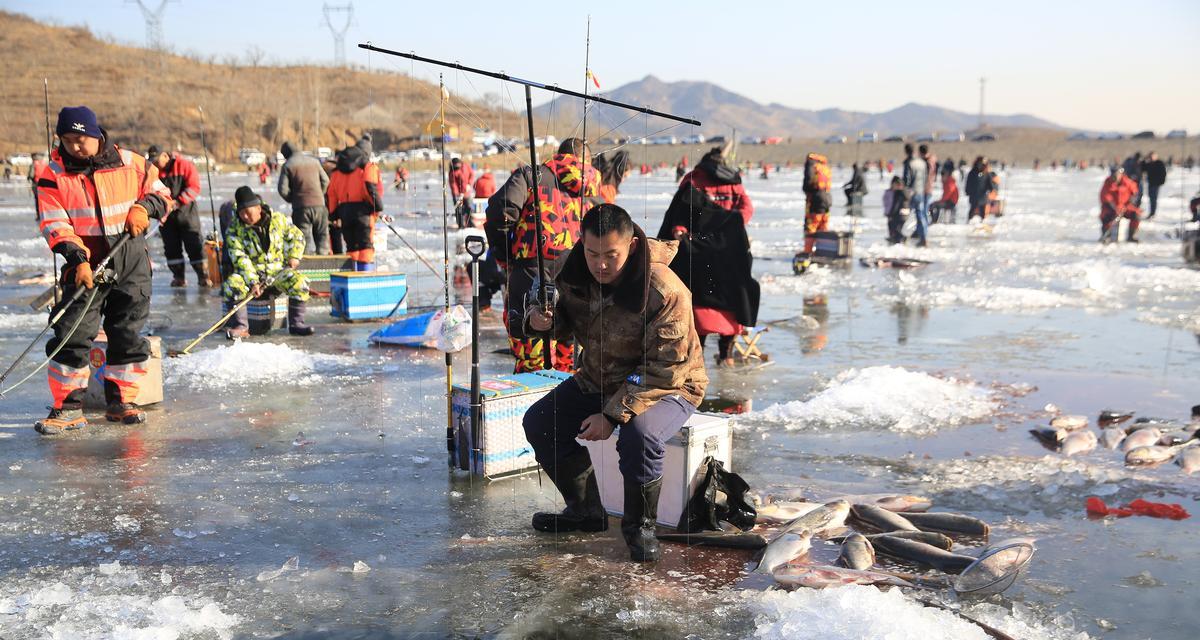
(1155, 171)
(857, 185)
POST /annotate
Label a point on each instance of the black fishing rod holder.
(476, 247)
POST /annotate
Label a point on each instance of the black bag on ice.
(720, 496)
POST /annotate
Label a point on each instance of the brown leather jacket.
(639, 340)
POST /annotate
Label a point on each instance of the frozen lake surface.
(296, 487)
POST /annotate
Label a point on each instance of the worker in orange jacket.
(1116, 201)
(89, 195)
(355, 200)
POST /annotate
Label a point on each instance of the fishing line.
(62, 343)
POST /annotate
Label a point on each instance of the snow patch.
(884, 397)
(247, 363)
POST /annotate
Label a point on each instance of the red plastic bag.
(1096, 508)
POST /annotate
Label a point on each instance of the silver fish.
(881, 519)
(1049, 435)
(896, 502)
(816, 576)
(1079, 442)
(830, 515)
(949, 522)
(857, 553)
(1154, 454)
(922, 553)
(1141, 438)
(1111, 437)
(784, 512)
(1070, 423)
(783, 550)
(1189, 460)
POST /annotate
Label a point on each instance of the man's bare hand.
(293, 263)
(595, 427)
(540, 319)
(256, 290)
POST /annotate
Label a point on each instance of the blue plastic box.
(367, 295)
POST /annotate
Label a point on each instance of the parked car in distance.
(1079, 135)
(984, 137)
(1111, 135)
(869, 136)
(664, 140)
(693, 139)
(773, 140)
(894, 139)
(925, 137)
(20, 160)
(835, 140)
(1177, 133)
(752, 140)
(952, 137)
(716, 140)
(1144, 135)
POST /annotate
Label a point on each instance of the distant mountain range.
(721, 110)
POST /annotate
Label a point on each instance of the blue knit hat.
(78, 120)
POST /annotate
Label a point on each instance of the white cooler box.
(704, 435)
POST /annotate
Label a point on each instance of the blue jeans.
(920, 207)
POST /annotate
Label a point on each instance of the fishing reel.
(533, 297)
(105, 276)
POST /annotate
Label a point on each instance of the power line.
(339, 35)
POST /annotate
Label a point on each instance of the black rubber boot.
(296, 324)
(576, 481)
(237, 327)
(641, 513)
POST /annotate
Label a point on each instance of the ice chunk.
(360, 567)
(292, 564)
(110, 568)
(420, 460)
(184, 533)
(126, 523)
(252, 363)
(57, 593)
(885, 397)
(854, 612)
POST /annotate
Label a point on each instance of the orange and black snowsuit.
(510, 229)
(83, 206)
(355, 198)
(818, 180)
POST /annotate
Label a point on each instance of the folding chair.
(746, 344)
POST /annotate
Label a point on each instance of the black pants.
(724, 345)
(313, 222)
(336, 242)
(552, 423)
(1152, 192)
(896, 229)
(182, 231)
(121, 307)
(491, 280)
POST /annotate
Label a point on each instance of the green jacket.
(250, 260)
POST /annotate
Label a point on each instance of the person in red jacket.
(721, 183)
(1116, 201)
(90, 195)
(264, 173)
(400, 182)
(355, 200)
(182, 229)
(948, 202)
(461, 178)
(485, 186)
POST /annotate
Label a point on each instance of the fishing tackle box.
(833, 245)
(503, 449)
(367, 295)
(318, 269)
(703, 435)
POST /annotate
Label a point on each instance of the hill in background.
(145, 97)
(720, 110)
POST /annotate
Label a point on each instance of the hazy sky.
(1098, 65)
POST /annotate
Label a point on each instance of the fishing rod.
(414, 250)
(530, 83)
(36, 206)
(212, 210)
(543, 292)
(62, 311)
(442, 97)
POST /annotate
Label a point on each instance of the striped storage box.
(318, 269)
(367, 295)
(265, 314)
(503, 449)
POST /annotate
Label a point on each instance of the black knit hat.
(245, 198)
(153, 151)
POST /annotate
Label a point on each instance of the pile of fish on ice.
(1144, 441)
